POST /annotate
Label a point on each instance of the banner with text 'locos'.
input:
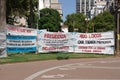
(95, 42)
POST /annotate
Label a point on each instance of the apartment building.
(84, 6)
(91, 8)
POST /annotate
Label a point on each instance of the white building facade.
(55, 4)
(91, 8)
(84, 6)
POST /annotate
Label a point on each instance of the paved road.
(72, 69)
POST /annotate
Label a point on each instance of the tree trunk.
(31, 14)
(2, 14)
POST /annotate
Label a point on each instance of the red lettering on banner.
(48, 48)
(54, 36)
(83, 35)
(24, 30)
(101, 48)
(97, 51)
(64, 47)
(12, 28)
(86, 51)
(87, 47)
(19, 29)
(94, 35)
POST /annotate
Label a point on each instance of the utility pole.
(31, 14)
(117, 11)
(87, 20)
(2, 14)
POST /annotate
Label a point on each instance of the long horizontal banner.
(21, 39)
(51, 41)
(96, 39)
(95, 49)
(94, 42)
(76, 42)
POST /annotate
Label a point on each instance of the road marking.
(67, 68)
(53, 76)
(70, 65)
(40, 73)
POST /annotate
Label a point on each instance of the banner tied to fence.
(20, 39)
(76, 42)
(53, 41)
(94, 42)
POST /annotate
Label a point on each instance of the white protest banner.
(53, 41)
(3, 44)
(20, 39)
(94, 42)
(95, 49)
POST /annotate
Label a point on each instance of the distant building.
(84, 6)
(91, 8)
(64, 28)
(99, 7)
(54, 4)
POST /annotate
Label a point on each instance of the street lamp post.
(93, 26)
(38, 14)
(87, 20)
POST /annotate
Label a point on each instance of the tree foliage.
(50, 19)
(16, 8)
(100, 23)
(103, 22)
(21, 8)
(76, 21)
(33, 15)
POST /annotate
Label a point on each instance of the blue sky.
(68, 7)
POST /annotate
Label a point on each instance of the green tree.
(16, 8)
(103, 22)
(22, 8)
(50, 19)
(76, 22)
(33, 15)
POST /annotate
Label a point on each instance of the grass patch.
(12, 58)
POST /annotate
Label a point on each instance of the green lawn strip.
(12, 58)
